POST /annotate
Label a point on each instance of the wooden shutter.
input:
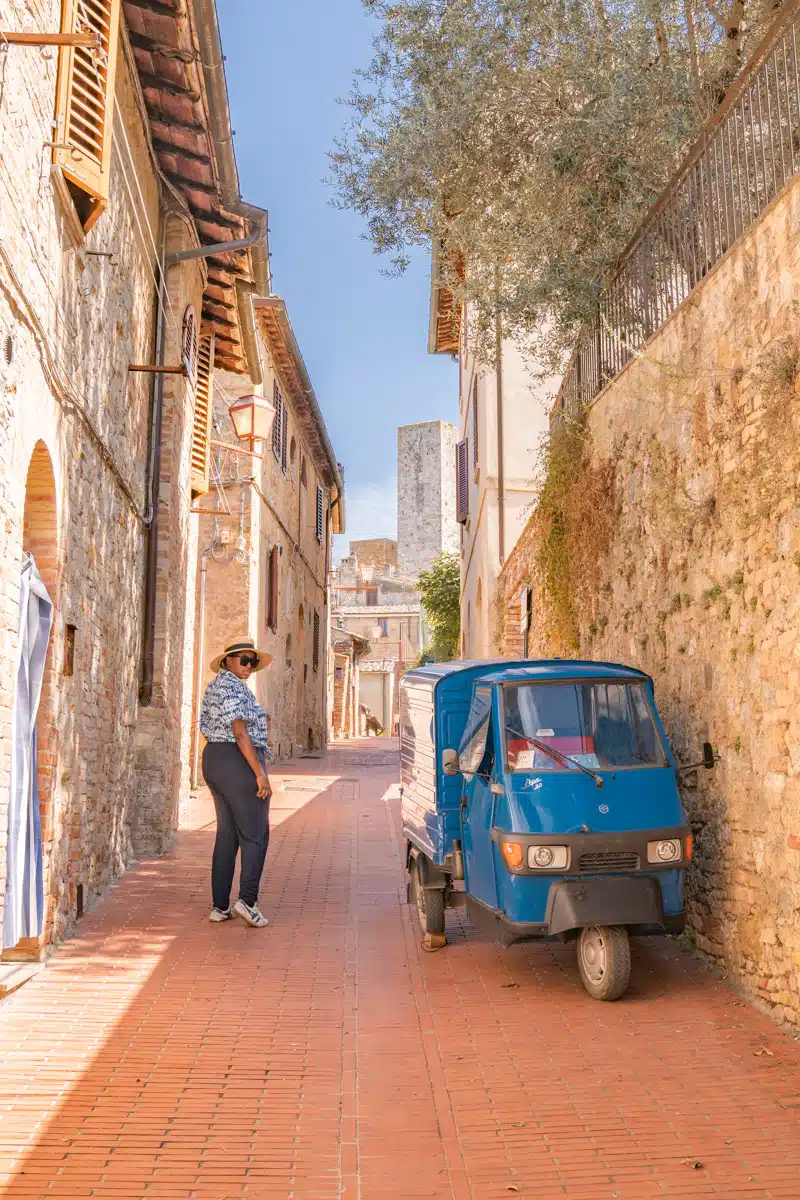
(85, 104)
(277, 424)
(315, 653)
(320, 513)
(475, 421)
(462, 482)
(203, 413)
(284, 438)
(272, 590)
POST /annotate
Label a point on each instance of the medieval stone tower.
(426, 495)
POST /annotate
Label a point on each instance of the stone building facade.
(696, 580)
(265, 553)
(426, 495)
(96, 479)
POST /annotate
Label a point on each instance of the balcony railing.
(747, 153)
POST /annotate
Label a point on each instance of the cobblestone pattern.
(701, 587)
(161, 1056)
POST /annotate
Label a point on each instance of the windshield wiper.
(557, 755)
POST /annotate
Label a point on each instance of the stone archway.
(40, 540)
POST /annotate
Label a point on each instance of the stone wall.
(697, 581)
(426, 495)
(75, 322)
(375, 552)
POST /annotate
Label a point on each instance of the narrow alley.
(158, 1055)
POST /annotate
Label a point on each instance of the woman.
(235, 768)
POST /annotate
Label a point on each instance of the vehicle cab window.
(561, 726)
(475, 753)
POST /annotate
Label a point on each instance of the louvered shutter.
(284, 438)
(320, 513)
(85, 104)
(203, 412)
(462, 482)
(315, 652)
(475, 422)
(272, 590)
(277, 424)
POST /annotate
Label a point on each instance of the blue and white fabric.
(228, 699)
(23, 915)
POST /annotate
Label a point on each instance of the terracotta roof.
(178, 57)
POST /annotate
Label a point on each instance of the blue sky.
(363, 336)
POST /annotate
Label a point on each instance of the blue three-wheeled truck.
(550, 790)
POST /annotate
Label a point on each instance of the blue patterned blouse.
(228, 699)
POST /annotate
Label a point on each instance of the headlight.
(664, 852)
(544, 857)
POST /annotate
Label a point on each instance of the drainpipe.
(501, 473)
(201, 638)
(151, 564)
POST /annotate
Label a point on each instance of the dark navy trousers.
(242, 823)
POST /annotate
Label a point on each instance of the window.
(383, 627)
(462, 482)
(320, 513)
(189, 343)
(603, 724)
(203, 413)
(476, 742)
(272, 589)
(277, 424)
(69, 649)
(475, 421)
(315, 643)
(85, 105)
(372, 597)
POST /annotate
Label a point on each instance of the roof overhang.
(273, 321)
(178, 55)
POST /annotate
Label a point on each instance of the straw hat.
(241, 643)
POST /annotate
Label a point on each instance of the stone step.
(14, 975)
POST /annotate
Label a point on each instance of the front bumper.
(582, 847)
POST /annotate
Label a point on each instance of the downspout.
(151, 564)
(501, 472)
(201, 638)
(326, 597)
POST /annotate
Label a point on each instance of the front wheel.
(604, 961)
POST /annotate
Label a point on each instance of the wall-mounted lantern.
(252, 418)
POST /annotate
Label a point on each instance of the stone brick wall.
(375, 552)
(700, 586)
(75, 321)
(426, 495)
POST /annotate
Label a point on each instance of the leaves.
(440, 589)
(529, 136)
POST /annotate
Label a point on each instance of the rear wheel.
(429, 902)
(604, 961)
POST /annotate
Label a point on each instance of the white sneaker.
(221, 914)
(251, 915)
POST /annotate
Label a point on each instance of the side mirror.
(450, 763)
(709, 758)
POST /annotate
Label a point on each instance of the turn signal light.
(513, 855)
(688, 847)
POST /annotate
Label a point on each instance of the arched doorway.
(30, 855)
(301, 669)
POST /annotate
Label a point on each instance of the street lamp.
(252, 418)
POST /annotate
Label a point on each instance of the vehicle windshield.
(599, 725)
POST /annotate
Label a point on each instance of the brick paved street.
(162, 1056)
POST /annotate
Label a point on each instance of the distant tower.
(426, 495)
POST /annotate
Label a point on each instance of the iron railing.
(746, 154)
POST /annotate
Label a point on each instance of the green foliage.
(530, 136)
(440, 589)
(574, 516)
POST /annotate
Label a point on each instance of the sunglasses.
(247, 660)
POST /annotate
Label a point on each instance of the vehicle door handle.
(497, 789)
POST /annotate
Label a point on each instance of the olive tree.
(440, 590)
(529, 137)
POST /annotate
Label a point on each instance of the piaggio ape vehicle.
(549, 788)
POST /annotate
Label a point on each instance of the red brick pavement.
(159, 1056)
